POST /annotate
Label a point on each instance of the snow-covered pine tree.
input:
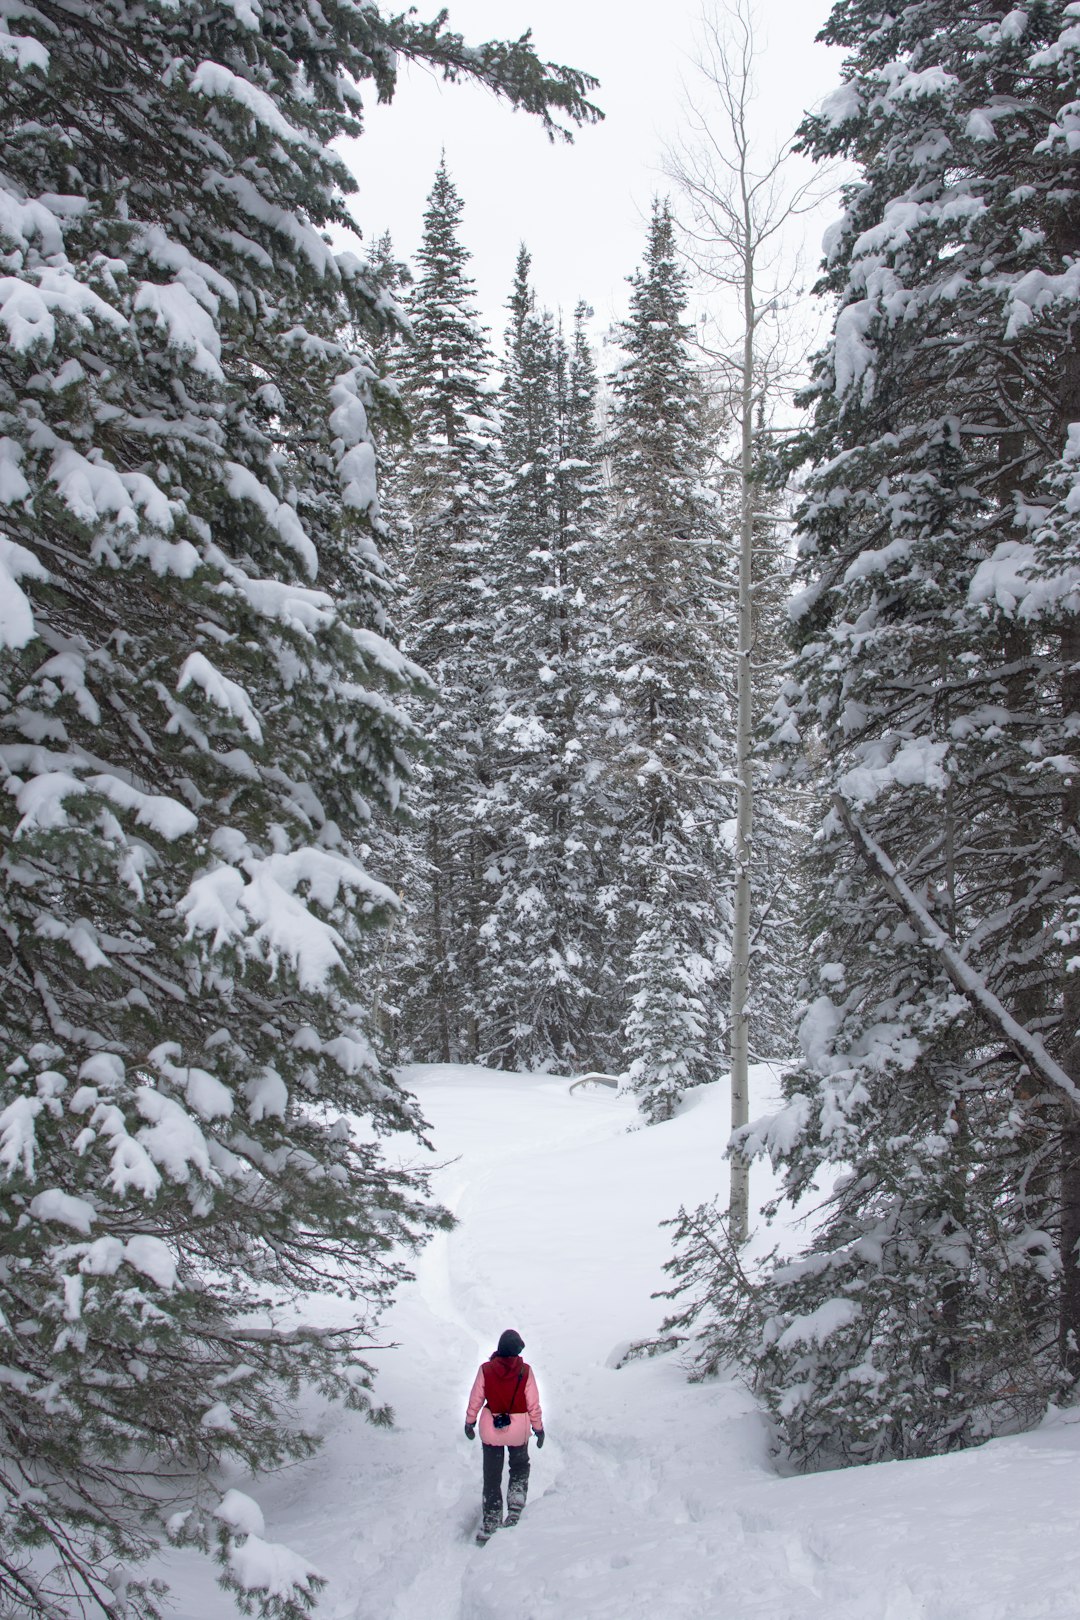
(198, 722)
(446, 486)
(668, 731)
(388, 842)
(580, 494)
(935, 681)
(583, 527)
(390, 428)
(395, 278)
(534, 967)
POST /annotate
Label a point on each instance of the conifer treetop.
(446, 366)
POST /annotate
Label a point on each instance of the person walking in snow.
(505, 1397)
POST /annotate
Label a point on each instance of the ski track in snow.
(652, 1499)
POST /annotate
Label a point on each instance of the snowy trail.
(652, 1498)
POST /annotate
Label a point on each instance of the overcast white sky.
(581, 208)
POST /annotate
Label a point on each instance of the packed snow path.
(652, 1499)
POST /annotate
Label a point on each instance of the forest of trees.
(370, 692)
(570, 592)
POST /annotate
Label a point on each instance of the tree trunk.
(739, 1200)
(1069, 1324)
(438, 933)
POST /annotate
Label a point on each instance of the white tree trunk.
(739, 207)
(739, 1200)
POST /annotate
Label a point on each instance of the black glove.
(470, 1431)
(539, 1436)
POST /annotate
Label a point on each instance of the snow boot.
(515, 1501)
(488, 1526)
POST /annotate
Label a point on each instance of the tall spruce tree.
(667, 732)
(935, 681)
(199, 722)
(584, 551)
(534, 965)
(446, 486)
(390, 425)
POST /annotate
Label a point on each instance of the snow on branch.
(217, 82)
(1027, 1046)
(16, 614)
(228, 695)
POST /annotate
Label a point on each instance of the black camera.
(501, 1420)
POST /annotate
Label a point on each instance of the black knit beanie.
(510, 1344)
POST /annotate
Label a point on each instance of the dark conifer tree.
(584, 551)
(199, 724)
(445, 484)
(935, 683)
(535, 971)
(668, 736)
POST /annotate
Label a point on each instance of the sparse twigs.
(740, 202)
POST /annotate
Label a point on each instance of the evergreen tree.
(580, 495)
(534, 963)
(199, 722)
(935, 681)
(394, 278)
(390, 428)
(446, 484)
(584, 552)
(388, 845)
(668, 735)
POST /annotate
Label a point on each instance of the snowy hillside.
(652, 1498)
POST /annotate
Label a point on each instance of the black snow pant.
(517, 1486)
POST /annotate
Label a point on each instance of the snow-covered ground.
(653, 1499)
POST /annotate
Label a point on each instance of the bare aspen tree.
(740, 204)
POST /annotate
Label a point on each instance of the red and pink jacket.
(505, 1384)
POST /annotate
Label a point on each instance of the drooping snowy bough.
(197, 723)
